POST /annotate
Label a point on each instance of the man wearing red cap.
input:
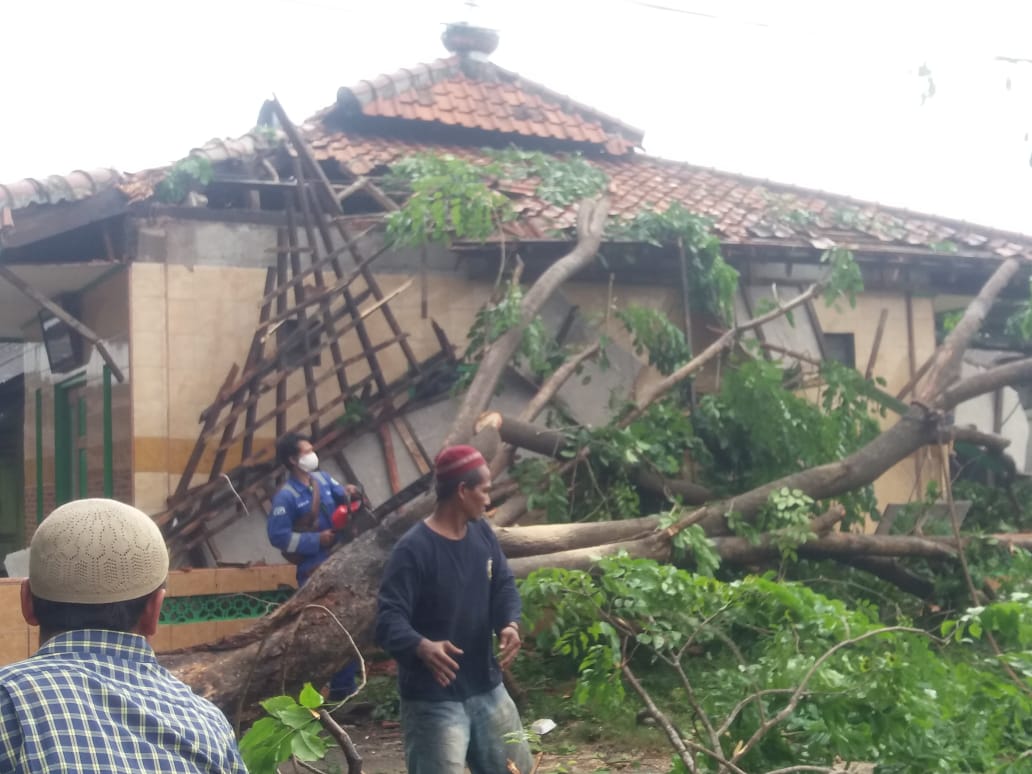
(446, 592)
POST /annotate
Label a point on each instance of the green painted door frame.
(68, 424)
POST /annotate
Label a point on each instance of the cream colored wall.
(191, 323)
(907, 479)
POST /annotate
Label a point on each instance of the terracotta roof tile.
(741, 208)
(484, 96)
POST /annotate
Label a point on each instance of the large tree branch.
(945, 367)
(544, 396)
(551, 443)
(591, 221)
(1017, 372)
(726, 339)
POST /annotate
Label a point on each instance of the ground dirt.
(379, 744)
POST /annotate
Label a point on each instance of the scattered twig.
(341, 736)
(800, 689)
(966, 570)
(679, 744)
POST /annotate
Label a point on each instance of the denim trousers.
(483, 732)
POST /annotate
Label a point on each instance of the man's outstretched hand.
(509, 643)
(438, 659)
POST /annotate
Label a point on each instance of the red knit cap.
(456, 461)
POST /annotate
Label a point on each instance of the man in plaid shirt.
(94, 698)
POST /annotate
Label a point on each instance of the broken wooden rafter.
(305, 154)
(879, 331)
(332, 307)
(270, 363)
(323, 262)
(70, 320)
(287, 402)
(250, 473)
(198, 449)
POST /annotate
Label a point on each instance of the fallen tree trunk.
(552, 443)
(300, 641)
(591, 223)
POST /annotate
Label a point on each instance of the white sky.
(819, 93)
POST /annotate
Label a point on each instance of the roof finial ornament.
(470, 41)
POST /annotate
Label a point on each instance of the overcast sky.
(816, 93)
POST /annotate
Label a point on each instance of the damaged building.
(163, 328)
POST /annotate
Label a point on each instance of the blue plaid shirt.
(98, 701)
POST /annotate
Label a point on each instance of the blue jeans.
(483, 732)
(343, 682)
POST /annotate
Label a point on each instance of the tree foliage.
(771, 674)
(289, 729)
(712, 281)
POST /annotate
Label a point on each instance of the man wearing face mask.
(301, 523)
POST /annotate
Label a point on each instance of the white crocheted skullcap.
(95, 552)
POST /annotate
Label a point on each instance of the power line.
(689, 12)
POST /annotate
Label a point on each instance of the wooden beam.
(818, 331)
(334, 208)
(269, 364)
(415, 449)
(198, 449)
(55, 309)
(873, 357)
(387, 443)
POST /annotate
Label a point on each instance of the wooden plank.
(334, 208)
(325, 297)
(915, 378)
(447, 348)
(424, 284)
(744, 290)
(184, 510)
(415, 449)
(331, 330)
(878, 332)
(269, 364)
(818, 331)
(198, 449)
(281, 306)
(292, 400)
(72, 322)
(387, 444)
(322, 263)
(302, 317)
(254, 354)
(363, 335)
(908, 298)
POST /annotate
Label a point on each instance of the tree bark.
(551, 443)
(297, 643)
(945, 368)
(300, 642)
(591, 222)
(503, 460)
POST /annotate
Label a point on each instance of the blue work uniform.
(293, 502)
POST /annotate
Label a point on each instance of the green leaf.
(308, 745)
(296, 716)
(310, 698)
(277, 704)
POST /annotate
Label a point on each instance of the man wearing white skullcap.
(94, 698)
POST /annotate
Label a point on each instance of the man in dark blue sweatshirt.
(446, 592)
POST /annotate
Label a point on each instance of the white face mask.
(309, 463)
